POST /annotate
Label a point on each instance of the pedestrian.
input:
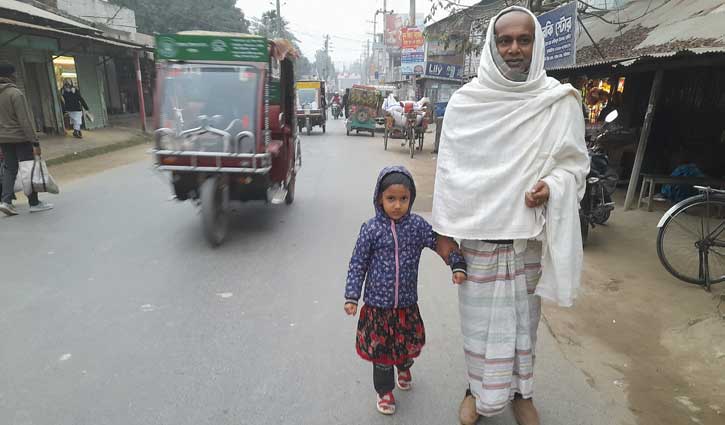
(390, 330)
(346, 103)
(511, 171)
(18, 140)
(74, 105)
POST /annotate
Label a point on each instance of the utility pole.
(279, 20)
(412, 24)
(412, 13)
(327, 57)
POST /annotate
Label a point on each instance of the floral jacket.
(387, 254)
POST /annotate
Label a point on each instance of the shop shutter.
(91, 86)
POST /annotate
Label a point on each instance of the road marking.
(64, 357)
(224, 294)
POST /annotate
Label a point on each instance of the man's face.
(515, 40)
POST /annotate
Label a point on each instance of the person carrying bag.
(18, 142)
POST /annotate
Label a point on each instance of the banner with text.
(412, 52)
(559, 26)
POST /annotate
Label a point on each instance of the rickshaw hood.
(384, 172)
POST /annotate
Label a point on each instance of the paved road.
(113, 310)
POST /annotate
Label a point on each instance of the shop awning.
(36, 12)
(61, 34)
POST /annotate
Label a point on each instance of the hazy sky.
(345, 20)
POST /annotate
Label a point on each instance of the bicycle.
(691, 238)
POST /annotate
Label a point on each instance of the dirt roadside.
(647, 341)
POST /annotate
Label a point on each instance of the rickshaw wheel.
(347, 131)
(385, 139)
(290, 198)
(411, 142)
(323, 128)
(214, 217)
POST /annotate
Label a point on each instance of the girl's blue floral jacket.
(387, 254)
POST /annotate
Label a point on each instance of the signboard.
(412, 61)
(212, 48)
(394, 26)
(308, 84)
(411, 38)
(444, 71)
(559, 26)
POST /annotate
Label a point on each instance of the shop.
(671, 111)
(439, 83)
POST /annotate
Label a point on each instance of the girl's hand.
(444, 247)
(350, 309)
(459, 277)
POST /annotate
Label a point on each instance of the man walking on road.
(18, 140)
(511, 171)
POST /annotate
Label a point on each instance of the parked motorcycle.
(597, 205)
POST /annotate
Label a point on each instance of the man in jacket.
(18, 140)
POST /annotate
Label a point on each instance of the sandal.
(405, 380)
(386, 404)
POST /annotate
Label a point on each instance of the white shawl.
(499, 138)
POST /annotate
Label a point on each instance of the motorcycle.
(336, 110)
(597, 205)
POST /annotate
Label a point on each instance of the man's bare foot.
(525, 412)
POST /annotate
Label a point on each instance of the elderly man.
(511, 171)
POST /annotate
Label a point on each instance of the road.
(114, 310)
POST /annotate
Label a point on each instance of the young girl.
(387, 253)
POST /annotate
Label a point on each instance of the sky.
(349, 22)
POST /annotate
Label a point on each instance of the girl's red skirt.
(390, 336)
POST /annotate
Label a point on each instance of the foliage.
(324, 66)
(267, 26)
(169, 16)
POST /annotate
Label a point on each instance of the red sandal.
(405, 380)
(386, 404)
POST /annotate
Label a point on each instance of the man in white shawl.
(511, 171)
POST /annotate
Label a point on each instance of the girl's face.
(396, 201)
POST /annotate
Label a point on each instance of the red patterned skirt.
(390, 336)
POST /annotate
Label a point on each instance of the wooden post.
(643, 138)
(139, 87)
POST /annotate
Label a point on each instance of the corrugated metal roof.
(625, 62)
(37, 12)
(115, 43)
(651, 27)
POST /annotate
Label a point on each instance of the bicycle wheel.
(411, 141)
(691, 242)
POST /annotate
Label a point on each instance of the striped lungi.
(499, 318)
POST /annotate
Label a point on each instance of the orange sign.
(411, 38)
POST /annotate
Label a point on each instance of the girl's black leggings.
(384, 376)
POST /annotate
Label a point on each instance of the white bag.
(89, 116)
(35, 177)
(18, 183)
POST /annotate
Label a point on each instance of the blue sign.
(559, 26)
(444, 71)
(412, 61)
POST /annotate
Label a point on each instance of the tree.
(324, 66)
(303, 67)
(268, 26)
(169, 16)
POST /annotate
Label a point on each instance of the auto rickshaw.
(225, 120)
(311, 105)
(363, 109)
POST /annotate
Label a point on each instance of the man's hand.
(350, 309)
(444, 247)
(459, 277)
(36, 150)
(538, 195)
